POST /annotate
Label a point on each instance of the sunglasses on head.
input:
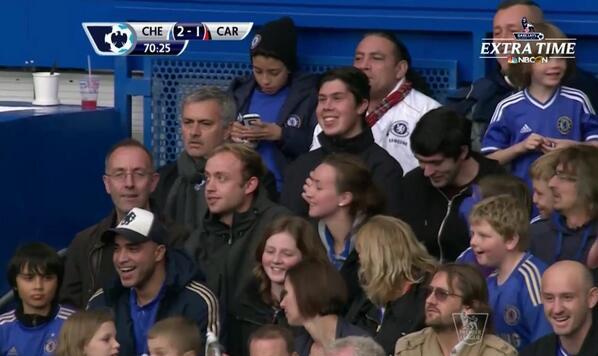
(440, 294)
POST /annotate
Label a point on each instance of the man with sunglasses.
(571, 229)
(129, 179)
(457, 313)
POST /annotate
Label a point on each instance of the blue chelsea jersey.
(17, 339)
(568, 114)
(518, 314)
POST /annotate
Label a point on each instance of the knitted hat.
(277, 39)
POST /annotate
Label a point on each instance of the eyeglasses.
(120, 176)
(440, 294)
(562, 176)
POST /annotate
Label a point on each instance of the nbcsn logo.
(533, 59)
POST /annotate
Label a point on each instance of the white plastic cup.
(89, 88)
(45, 86)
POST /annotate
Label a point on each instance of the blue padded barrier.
(172, 79)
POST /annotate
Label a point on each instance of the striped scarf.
(388, 102)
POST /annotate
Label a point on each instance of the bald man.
(569, 298)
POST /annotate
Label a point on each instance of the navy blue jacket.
(552, 241)
(184, 296)
(297, 117)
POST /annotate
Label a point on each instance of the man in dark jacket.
(479, 100)
(155, 283)
(238, 213)
(206, 116)
(571, 230)
(343, 101)
(129, 179)
(569, 297)
(433, 192)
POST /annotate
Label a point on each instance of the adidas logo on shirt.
(525, 129)
(12, 352)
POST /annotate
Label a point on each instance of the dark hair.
(306, 238)
(352, 175)
(468, 282)
(402, 54)
(319, 288)
(521, 73)
(252, 163)
(273, 332)
(443, 131)
(355, 80)
(38, 258)
(128, 142)
(498, 184)
(505, 4)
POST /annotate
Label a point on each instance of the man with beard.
(457, 302)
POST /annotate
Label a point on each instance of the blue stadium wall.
(50, 31)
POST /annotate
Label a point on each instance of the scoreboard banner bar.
(158, 38)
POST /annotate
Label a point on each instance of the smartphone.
(250, 119)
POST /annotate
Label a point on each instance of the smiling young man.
(343, 98)
(571, 229)
(35, 274)
(238, 214)
(129, 178)
(433, 192)
(395, 104)
(155, 282)
(569, 298)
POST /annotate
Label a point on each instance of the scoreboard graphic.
(158, 38)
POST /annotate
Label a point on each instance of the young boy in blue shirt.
(35, 273)
(499, 238)
(543, 116)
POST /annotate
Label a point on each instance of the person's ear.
(345, 199)
(251, 185)
(401, 69)
(363, 107)
(511, 243)
(160, 252)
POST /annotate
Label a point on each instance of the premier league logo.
(470, 327)
(110, 39)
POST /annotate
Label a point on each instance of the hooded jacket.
(434, 217)
(552, 241)
(387, 173)
(183, 296)
(88, 264)
(297, 117)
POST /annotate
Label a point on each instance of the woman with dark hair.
(313, 297)
(286, 242)
(394, 271)
(343, 99)
(341, 198)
